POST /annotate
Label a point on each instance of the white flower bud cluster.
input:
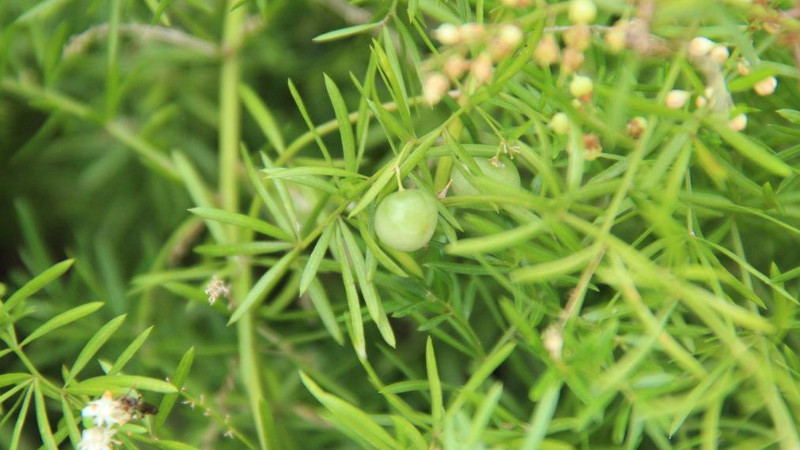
(490, 43)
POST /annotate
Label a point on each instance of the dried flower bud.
(572, 60)
(582, 11)
(738, 123)
(592, 147)
(581, 88)
(448, 34)
(455, 66)
(578, 37)
(700, 46)
(676, 99)
(547, 51)
(435, 87)
(766, 86)
(560, 123)
(719, 54)
(617, 36)
(481, 68)
(636, 127)
(742, 68)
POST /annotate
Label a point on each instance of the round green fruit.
(504, 172)
(406, 220)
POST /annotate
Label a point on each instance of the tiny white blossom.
(97, 439)
(216, 288)
(106, 411)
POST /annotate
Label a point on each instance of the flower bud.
(448, 34)
(617, 36)
(481, 68)
(700, 46)
(738, 123)
(742, 68)
(560, 123)
(701, 101)
(675, 99)
(435, 87)
(471, 33)
(578, 37)
(766, 86)
(572, 60)
(455, 66)
(636, 127)
(511, 35)
(592, 147)
(582, 11)
(719, 54)
(547, 51)
(581, 88)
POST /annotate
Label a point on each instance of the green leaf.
(129, 351)
(42, 11)
(296, 172)
(542, 417)
(41, 419)
(61, 320)
(120, 384)
(69, 421)
(553, 269)
(791, 115)
(178, 379)
(345, 129)
(346, 32)
(264, 285)
(353, 419)
(435, 384)
(483, 371)
(98, 340)
(241, 221)
(353, 307)
(23, 414)
(35, 285)
(368, 291)
(312, 265)
(323, 306)
(244, 248)
(751, 150)
(496, 241)
(7, 379)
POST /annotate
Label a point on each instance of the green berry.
(406, 220)
(503, 171)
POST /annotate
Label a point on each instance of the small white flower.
(97, 439)
(106, 411)
(216, 288)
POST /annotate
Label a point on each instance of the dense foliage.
(613, 186)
